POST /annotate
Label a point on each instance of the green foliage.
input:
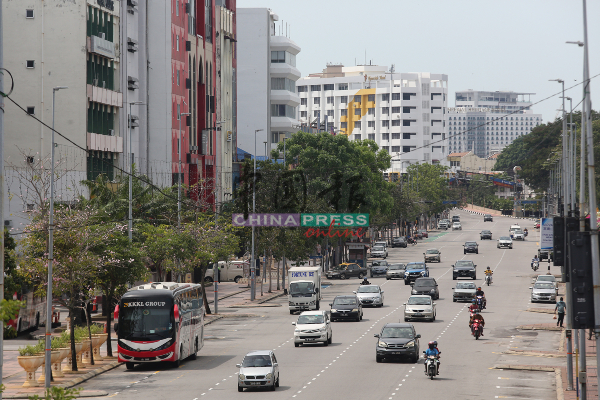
(9, 309)
(32, 350)
(12, 280)
(58, 393)
(9, 332)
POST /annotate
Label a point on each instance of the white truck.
(304, 288)
(230, 271)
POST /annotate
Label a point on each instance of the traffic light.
(559, 238)
(580, 272)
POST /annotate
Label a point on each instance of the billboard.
(547, 234)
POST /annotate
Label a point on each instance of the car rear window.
(344, 301)
(463, 264)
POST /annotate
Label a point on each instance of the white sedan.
(419, 307)
(505, 241)
(456, 226)
(518, 235)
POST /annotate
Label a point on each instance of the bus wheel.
(177, 363)
(193, 356)
(129, 365)
(37, 320)
(208, 279)
(237, 279)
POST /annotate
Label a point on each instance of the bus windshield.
(145, 323)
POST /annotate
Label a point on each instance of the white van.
(231, 271)
(313, 327)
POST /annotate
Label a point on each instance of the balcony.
(101, 46)
(113, 144)
(104, 96)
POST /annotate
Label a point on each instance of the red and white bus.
(160, 321)
(32, 313)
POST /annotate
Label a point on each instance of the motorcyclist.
(479, 318)
(365, 281)
(489, 272)
(433, 351)
(525, 231)
(473, 307)
(535, 260)
(480, 292)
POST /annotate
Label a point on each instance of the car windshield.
(519, 232)
(432, 252)
(339, 267)
(396, 266)
(504, 238)
(382, 244)
(378, 248)
(368, 289)
(543, 286)
(146, 323)
(302, 288)
(415, 266)
(546, 278)
(420, 301)
(310, 319)
(470, 244)
(401, 333)
(486, 232)
(461, 263)
(257, 361)
(424, 283)
(465, 285)
(344, 301)
(379, 263)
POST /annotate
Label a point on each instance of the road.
(347, 368)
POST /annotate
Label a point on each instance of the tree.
(162, 246)
(12, 279)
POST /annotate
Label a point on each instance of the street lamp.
(179, 171)
(48, 370)
(253, 262)
(130, 168)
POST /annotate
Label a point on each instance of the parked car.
(548, 278)
(485, 234)
(426, 286)
(379, 252)
(347, 270)
(424, 233)
(464, 291)
(346, 307)
(419, 234)
(488, 217)
(258, 369)
(543, 291)
(397, 340)
(415, 270)
(505, 241)
(395, 271)
(464, 269)
(370, 295)
(433, 255)
(399, 242)
(379, 268)
(518, 235)
(313, 327)
(456, 226)
(471, 247)
(545, 254)
(419, 307)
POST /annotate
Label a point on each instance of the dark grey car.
(464, 269)
(346, 307)
(399, 242)
(379, 268)
(426, 286)
(485, 234)
(397, 340)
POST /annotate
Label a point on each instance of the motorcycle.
(412, 241)
(535, 265)
(477, 329)
(431, 366)
(481, 303)
(488, 280)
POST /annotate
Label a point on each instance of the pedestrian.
(561, 308)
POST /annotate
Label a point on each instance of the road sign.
(449, 202)
(547, 234)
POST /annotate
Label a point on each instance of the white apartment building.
(404, 113)
(486, 122)
(267, 76)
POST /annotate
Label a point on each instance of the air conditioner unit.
(111, 132)
(8, 223)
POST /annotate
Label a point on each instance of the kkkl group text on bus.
(144, 304)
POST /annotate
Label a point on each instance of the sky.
(481, 45)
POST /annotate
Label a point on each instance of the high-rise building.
(267, 76)
(486, 122)
(404, 113)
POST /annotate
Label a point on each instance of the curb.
(83, 393)
(540, 310)
(560, 393)
(90, 375)
(539, 328)
(229, 295)
(533, 353)
(525, 367)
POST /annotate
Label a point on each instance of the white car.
(419, 307)
(548, 279)
(518, 235)
(384, 244)
(370, 295)
(258, 369)
(456, 226)
(505, 241)
(313, 327)
(543, 291)
(379, 252)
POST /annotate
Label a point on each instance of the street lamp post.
(130, 168)
(48, 349)
(253, 262)
(179, 173)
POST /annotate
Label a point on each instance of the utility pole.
(2, 105)
(253, 263)
(130, 168)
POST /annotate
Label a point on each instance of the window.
(316, 100)
(371, 136)
(177, 43)
(406, 96)
(406, 135)
(302, 114)
(282, 110)
(29, 13)
(343, 125)
(31, 110)
(178, 114)
(395, 135)
(406, 122)
(371, 124)
(277, 57)
(371, 97)
(330, 86)
(357, 125)
(405, 149)
(330, 100)
(344, 112)
(342, 86)
(396, 122)
(302, 89)
(395, 96)
(385, 110)
(30, 63)
(395, 110)
(385, 97)
(371, 111)
(385, 148)
(344, 99)
(177, 7)
(385, 136)
(315, 88)
(330, 113)
(357, 99)
(395, 149)
(316, 113)
(303, 101)
(283, 84)
(357, 111)
(357, 137)
(177, 77)
(385, 124)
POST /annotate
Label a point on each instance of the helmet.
(488, 267)
(365, 278)
(474, 301)
(479, 288)
(431, 345)
(435, 343)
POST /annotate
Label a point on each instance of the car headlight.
(355, 310)
(296, 330)
(381, 344)
(423, 273)
(323, 330)
(291, 303)
(269, 375)
(414, 292)
(164, 346)
(410, 344)
(242, 377)
(432, 291)
(312, 303)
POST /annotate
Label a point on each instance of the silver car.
(456, 226)
(543, 291)
(419, 307)
(548, 279)
(379, 252)
(518, 235)
(370, 295)
(395, 271)
(464, 291)
(505, 241)
(258, 369)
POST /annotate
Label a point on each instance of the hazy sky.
(481, 45)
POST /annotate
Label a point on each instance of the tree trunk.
(109, 301)
(87, 318)
(72, 335)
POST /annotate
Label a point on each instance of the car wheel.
(474, 277)
(453, 278)
(433, 318)
(326, 343)
(296, 344)
(208, 279)
(477, 252)
(273, 387)
(240, 389)
(464, 252)
(360, 275)
(405, 319)
(277, 383)
(415, 358)
(291, 312)
(378, 359)
(358, 319)
(330, 340)
(454, 300)
(343, 276)
(405, 282)
(387, 278)
(129, 365)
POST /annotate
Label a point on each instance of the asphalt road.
(347, 368)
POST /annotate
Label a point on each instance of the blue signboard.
(449, 202)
